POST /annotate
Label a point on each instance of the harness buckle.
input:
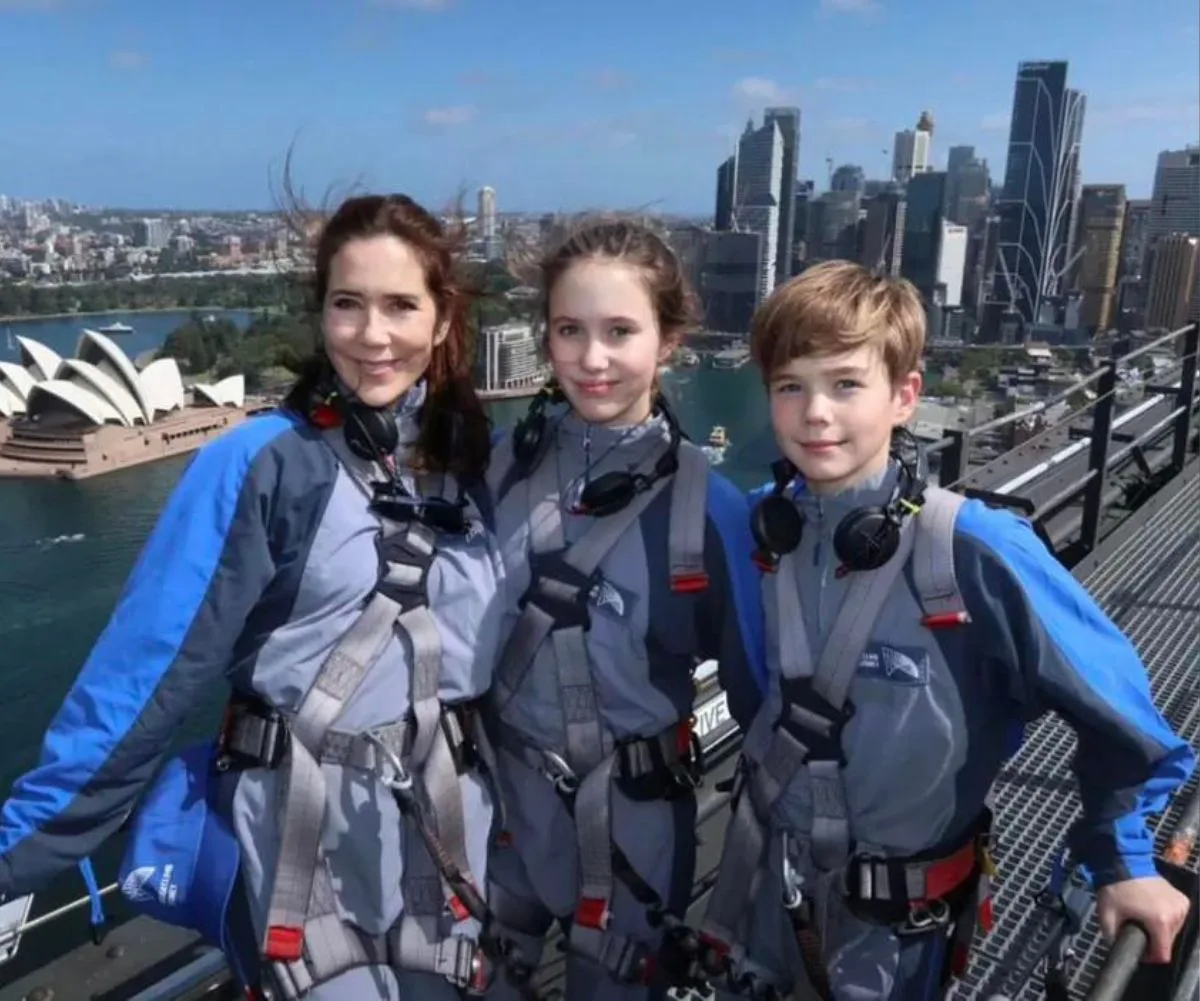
(252, 735)
(813, 720)
(403, 571)
(559, 590)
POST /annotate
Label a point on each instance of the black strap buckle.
(458, 726)
(395, 550)
(665, 766)
(813, 720)
(252, 735)
(559, 590)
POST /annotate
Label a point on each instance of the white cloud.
(1184, 112)
(450, 116)
(758, 90)
(127, 59)
(996, 121)
(849, 6)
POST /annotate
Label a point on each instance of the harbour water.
(66, 549)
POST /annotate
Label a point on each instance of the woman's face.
(379, 320)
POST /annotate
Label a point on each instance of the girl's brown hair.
(455, 433)
(629, 241)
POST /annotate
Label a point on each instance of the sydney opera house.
(81, 416)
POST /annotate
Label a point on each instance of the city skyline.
(179, 112)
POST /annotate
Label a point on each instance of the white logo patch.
(900, 666)
(604, 594)
(134, 886)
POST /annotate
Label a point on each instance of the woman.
(626, 561)
(330, 561)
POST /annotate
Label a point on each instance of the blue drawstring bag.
(181, 862)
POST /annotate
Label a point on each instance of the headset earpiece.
(776, 523)
(609, 493)
(530, 432)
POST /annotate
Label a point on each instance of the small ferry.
(715, 447)
(116, 328)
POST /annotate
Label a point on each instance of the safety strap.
(556, 607)
(413, 944)
(933, 560)
(689, 517)
(400, 603)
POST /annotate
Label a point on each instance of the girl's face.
(604, 341)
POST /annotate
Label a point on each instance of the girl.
(626, 562)
(329, 561)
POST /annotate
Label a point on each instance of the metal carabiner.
(923, 919)
(564, 780)
(793, 897)
(401, 780)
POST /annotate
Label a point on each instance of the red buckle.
(284, 944)
(987, 917)
(325, 417)
(592, 912)
(946, 620)
(946, 875)
(765, 562)
(719, 947)
(683, 736)
(457, 908)
(504, 839)
(689, 583)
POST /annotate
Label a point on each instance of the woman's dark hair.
(630, 241)
(455, 433)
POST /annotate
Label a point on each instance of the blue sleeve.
(731, 627)
(167, 644)
(1063, 653)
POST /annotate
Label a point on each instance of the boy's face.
(833, 415)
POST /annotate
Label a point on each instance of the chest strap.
(808, 732)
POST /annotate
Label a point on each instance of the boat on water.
(715, 447)
(116, 327)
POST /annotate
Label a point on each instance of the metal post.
(1102, 420)
(1187, 391)
(953, 458)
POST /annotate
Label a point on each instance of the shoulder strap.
(689, 514)
(933, 555)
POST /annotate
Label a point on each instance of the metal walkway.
(1149, 584)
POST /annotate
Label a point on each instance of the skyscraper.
(759, 177)
(910, 154)
(1101, 215)
(487, 222)
(788, 120)
(726, 194)
(1041, 182)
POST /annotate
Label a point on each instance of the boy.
(863, 798)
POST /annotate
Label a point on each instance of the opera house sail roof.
(48, 398)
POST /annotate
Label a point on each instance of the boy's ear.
(906, 396)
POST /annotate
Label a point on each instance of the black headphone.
(371, 434)
(614, 490)
(867, 537)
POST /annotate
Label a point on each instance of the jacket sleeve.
(1063, 653)
(730, 625)
(166, 645)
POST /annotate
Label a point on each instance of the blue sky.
(556, 103)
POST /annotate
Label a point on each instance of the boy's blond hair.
(839, 306)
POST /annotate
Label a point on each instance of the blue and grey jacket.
(938, 712)
(261, 560)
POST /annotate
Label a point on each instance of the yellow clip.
(986, 865)
(909, 506)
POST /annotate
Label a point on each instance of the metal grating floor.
(1150, 587)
